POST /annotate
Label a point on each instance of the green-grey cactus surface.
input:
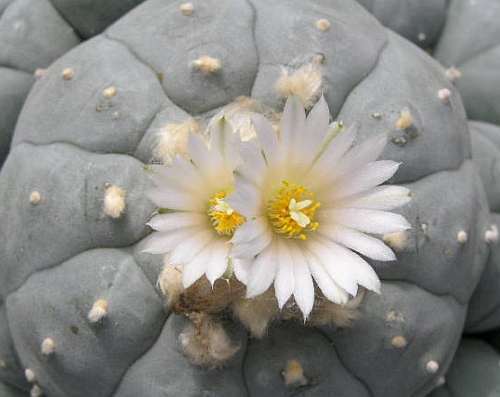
(92, 121)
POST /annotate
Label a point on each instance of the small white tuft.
(36, 391)
(98, 311)
(293, 374)
(422, 36)
(39, 73)
(440, 381)
(432, 366)
(399, 342)
(444, 95)
(3, 364)
(172, 140)
(48, 347)
(170, 283)
(109, 92)
(29, 374)
(491, 235)
(453, 74)
(35, 197)
(462, 236)
(186, 9)
(397, 241)
(207, 65)
(205, 342)
(323, 24)
(114, 201)
(304, 83)
(405, 120)
(68, 73)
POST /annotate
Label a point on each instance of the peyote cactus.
(420, 21)
(470, 47)
(81, 314)
(474, 372)
(33, 33)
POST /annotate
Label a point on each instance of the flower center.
(224, 219)
(291, 211)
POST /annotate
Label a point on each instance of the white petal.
(364, 153)
(164, 242)
(194, 269)
(246, 199)
(242, 268)
(348, 261)
(332, 291)
(292, 125)
(187, 249)
(253, 166)
(379, 198)
(250, 230)
(366, 245)
(267, 137)
(249, 249)
(363, 179)
(315, 132)
(174, 199)
(219, 260)
(304, 287)
(262, 272)
(200, 154)
(336, 147)
(284, 283)
(224, 141)
(337, 270)
(368, 221)
(176, 220)
(181, 175)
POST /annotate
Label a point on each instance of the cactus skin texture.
(58, 257)
(474, 372)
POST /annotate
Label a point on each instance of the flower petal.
(368, 221)
(262, 271)
(292, 124)
(250, 230)
(284, 284)
(348, 261)
(174, 199)
(187, 249)
(337, 270)
(267, 137)
(254, 166)
(303, 292)
(176, 220)
(332, 291)
(164, 242)
(249, 249)
(368, 246)
(181, 175)
(224, 141)
(194, 269)
(242, 268)
(246, 199)
(379, 198)
(218, 261)
(365, 178)
(335, 148)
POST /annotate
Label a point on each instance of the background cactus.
(93, 122)
(33, 33)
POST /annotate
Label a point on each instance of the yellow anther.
(291, 211)
(224, 219)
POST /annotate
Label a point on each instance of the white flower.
(311, 199)
(195, 222)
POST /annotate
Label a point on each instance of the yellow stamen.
(291, 211)
(224, 219)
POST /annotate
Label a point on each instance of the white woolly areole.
(172, 140)
(312, 201)
(432, 366)
(207, 65)
(29, 374)
(444, 95)
(462, 236)
(98, 311)
(186, 9)
(305, 83)
(35, 197)
(68, 73)
(48, 346)
(293, 374)
(114, 201)
(491, 235)
(36, 391)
